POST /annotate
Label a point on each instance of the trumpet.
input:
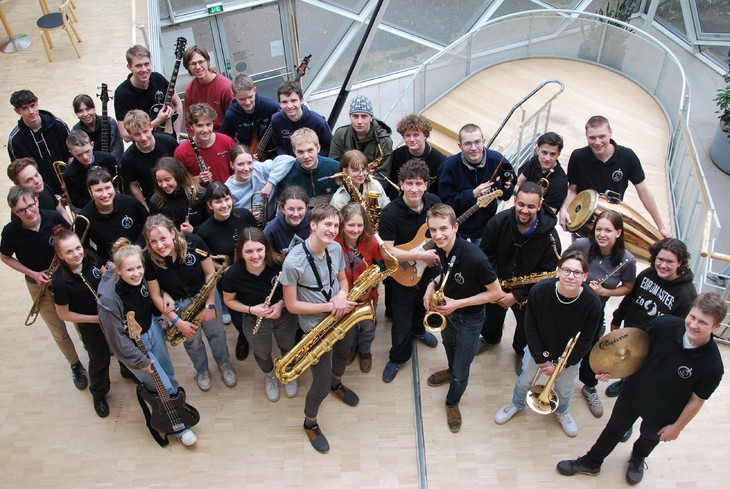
(262, 208)
(58, 168)
(434, 321)
(267, 303)
(544, 183)
(542, 398)
(35, 308)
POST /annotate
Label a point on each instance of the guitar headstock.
(485, 199)
(104, 95)
(134, 330)
(302, 68)
(180, 47)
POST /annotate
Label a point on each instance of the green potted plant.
(603, 42)
(720, 147)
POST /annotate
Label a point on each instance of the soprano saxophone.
(192, 312)
(267, 303)
(324, 335)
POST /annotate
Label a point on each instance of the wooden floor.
(51, 438)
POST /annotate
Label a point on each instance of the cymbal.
(621, 352)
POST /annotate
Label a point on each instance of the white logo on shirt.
(127, 222)
(190, 260)
(618, 175)
(143, 290)
(459, 278)
(96, 273)
(684, 372)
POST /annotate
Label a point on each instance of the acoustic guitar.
(410, 272)
(168, 414)
(260, 144)
(179, 50)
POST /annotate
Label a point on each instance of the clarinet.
(201, 162)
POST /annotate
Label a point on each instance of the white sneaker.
(187, 437)
(203, 380)
(505, 413)
(291, 388)
(568, 423)
(228, 375)
(271, 386)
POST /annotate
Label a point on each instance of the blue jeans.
(461, 339)
(154, 341)
(563, 385)
(215, 332)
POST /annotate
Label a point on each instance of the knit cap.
(361, 104)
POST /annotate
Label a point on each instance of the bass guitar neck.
(169, 124)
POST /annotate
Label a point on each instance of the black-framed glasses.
(567, 272)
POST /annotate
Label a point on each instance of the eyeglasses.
(470, 144)
(197, 63)
(360, 171)
(23, 210)
(567, 272)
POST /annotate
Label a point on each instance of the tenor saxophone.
(327, 332)
(192, 312)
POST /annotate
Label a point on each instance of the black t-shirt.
(177, 207)
(433, 159)
(557, 178)
(136, 298)
(69, 290)
(126, 220)
(251, 289)
(221, 236)
(75, 177)
(128, 97)
(470, 274)
(137, 166)
(399, 223)
(588, 172)
(34, 249)
(46, 200)
(671, 373)
(183, 278)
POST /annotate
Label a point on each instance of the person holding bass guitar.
(123, 290)
(144, 89)
(102, 130)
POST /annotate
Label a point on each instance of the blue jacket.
(283, 129)
(237, 122)
(309, 180)
(457, 183)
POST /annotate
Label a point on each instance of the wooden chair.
(52, 21)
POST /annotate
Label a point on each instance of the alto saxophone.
(533, 278)
(370, 202)
(324, 335)
(267, 303)
(192, 312)
(434, 321)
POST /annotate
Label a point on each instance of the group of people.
(266, 186)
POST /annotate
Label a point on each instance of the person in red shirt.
(207, 86)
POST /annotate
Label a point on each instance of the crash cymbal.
(620, 353)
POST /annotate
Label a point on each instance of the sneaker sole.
(570, 474)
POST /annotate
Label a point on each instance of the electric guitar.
(179, 50)
(105, 127)
(259, 153)
(410, 272)
(169, 414)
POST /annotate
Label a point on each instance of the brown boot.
(366, 362)
(453, 417)
(351, 356)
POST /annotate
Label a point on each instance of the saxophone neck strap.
(320, 287)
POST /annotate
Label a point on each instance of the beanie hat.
(361, 104)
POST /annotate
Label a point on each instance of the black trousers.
(586, 373)
(494, 323)
(99, 355)
(623, 417)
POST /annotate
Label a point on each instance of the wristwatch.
(210, 306)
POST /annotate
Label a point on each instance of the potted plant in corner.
(720, 147)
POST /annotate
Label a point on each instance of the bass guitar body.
(170, 416)
(410, 272)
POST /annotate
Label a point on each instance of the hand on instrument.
(186, 228)
(148, 368)
(507, 301)
(261, 310)
(450, 306)
(41, 278)
(598, 289)
(266, 190)
(340, 305)
(162, 116)
(430, 290)
(430, 257)
(205, 177)
(482, 188)
(604, 377)
(669, 433)
(615, 326)
(564, 219)
(187, 328)
(547, 368)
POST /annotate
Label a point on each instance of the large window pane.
(669, 14)
(354, 6)
(714, 16)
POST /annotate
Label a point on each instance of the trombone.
(542, 398)
(35, 308)
(58, 168)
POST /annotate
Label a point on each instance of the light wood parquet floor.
(51, 438)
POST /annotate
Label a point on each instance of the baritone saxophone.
(327, 332)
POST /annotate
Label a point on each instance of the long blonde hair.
(161, 221)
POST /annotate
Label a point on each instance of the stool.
(57, 20)
(13, 44)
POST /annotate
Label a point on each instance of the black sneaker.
(241, 347)
(615, 389)
(316, 438)
(627, 435)
(577, 466)
(78, 374)
(635, 472)
(102, 408)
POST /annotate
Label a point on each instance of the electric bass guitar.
(179, 50)
(105, 127)
(169, 414)
(410, 272)
(259, 153)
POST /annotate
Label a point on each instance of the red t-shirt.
(369, 251)
(215, 157)
(218, 94)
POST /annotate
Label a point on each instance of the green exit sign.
(215, 8)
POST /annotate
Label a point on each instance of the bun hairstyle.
(60, 234)
(123, 249)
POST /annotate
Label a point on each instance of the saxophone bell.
(434, 321)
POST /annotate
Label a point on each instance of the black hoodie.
(45, 146)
